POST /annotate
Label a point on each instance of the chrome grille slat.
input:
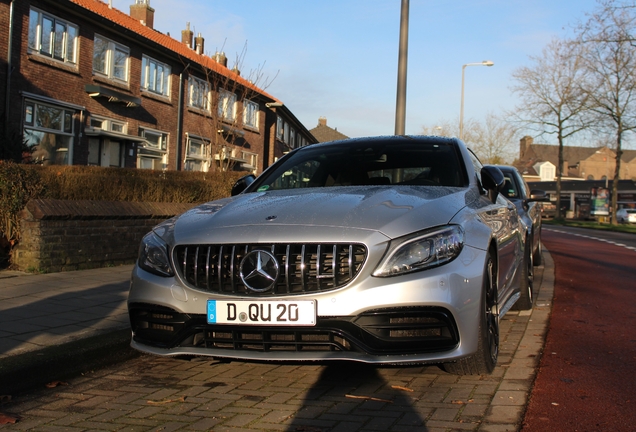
(287, 283)
(303, 267)
(207, 269)
(196, 266)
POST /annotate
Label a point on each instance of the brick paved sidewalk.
(151, 393)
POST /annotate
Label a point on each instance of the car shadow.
(352, 396)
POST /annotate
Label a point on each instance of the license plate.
(271, 312)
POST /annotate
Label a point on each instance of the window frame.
(65, 129)
(202, 87)
(109, 124)
(251, 158)
(148, 151)
(280, 127)
(147, 68)
(227, 105)
(203, 155)
(110, 59)
(35, 37)
(163, 138)
(251, 114)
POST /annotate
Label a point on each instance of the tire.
(526, 283)
(484, 360)
(536, 255)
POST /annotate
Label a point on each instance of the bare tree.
(491, 140)
(228, 103)
(610, 60)
(552, 101)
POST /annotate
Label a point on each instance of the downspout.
(9, 70)
(180, 118)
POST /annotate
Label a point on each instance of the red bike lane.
(587, 374)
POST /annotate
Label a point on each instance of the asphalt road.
(586, 379)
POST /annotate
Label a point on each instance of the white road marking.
(592, 238)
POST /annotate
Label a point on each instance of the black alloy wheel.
(526, 283)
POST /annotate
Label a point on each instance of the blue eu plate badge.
(211, 311)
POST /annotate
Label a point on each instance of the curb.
(508, 405)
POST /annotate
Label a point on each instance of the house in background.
(538, 162)
(324, 133)
(87, 84)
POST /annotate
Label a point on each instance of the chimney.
(198, 43)
(186, 36)
(142, 12)
(236, 70)
(322, 121)
(524, 146)
(220, 58)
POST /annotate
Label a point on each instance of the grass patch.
(623, 228)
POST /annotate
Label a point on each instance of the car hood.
(394, 212)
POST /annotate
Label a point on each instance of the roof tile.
(115, 15)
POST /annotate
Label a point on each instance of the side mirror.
(538, 195)
(242, 184)
(492, 180)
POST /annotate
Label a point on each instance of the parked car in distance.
(528, 206)
(626, 215)
(548, 210)
(385, 250)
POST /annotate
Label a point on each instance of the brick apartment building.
(539, 162)
(87, 84)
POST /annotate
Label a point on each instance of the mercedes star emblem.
(259, 270)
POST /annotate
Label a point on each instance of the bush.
(129, 184)
(20, 183)
(13, 147)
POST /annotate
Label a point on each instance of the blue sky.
(338, 58)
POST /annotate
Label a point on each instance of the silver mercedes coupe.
(386, 250)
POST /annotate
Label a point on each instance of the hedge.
(20, 183)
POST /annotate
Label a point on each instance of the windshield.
(367, 163)
(511, 188)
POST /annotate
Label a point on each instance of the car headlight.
(153, 255)
(421, 251)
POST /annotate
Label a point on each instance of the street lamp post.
(461, 109)
(400, 109)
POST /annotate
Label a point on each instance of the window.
(197, 152)
(153, 153)
(108, 124)
(110, 59)
(250, 114)
(52, 37)
(50, 130)
(510, 189)
(292, 138)
(279, 128)
(155, 76)
(251, 160)
(227, 105)
(199, 93)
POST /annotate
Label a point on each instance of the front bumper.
(378, 333)
(424, 317)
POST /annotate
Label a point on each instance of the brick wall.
(74, 235)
